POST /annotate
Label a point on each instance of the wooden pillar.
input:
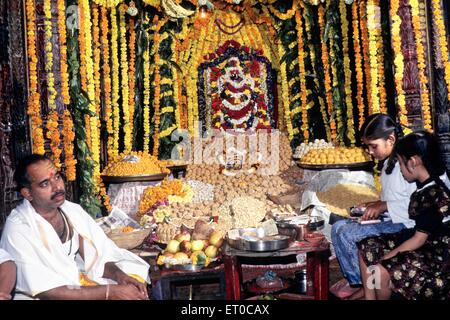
(14, 133)
(411, 84)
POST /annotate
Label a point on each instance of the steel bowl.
(272, 243)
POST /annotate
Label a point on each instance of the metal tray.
(368, 165)
(272, 243)
(136, 178)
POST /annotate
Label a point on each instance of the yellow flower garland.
(69, 136)
(146, 99)
(93, 121)
(107, 83)
(398, 62)
(96, 62)
(63, 51)
(373, 23)
(287, 15)
(442, 45)
(52, 119)
(365, 46)
(124, 79)
(421, 64)
(347, 73)
(132, 72)
(358, 65)
(327, 80)
(285, 94)
(34, 107)
(301, 66)
(115, 81)
(108, 3)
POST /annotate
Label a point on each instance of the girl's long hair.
(381, 126)
(424, 145)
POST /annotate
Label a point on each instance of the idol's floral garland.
(347, 73)
(441, 45)
(425, 97)
(232, 112)
(106, 71)
(52, 118)
(373, 24)
(358, 65)
(34, 107)
(124, 80)
(327, 76)
(398, 62)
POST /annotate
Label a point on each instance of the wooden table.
(317, 268)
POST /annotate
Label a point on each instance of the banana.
(174, 10)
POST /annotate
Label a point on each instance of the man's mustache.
(57, 193)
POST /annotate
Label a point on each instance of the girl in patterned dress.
(413, 262)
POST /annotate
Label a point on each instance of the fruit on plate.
(216, 239)
(186, 246)
(181, 256)
(173, 246)
(199, 258)
(211, 252)
(198, 245)
(183, 236)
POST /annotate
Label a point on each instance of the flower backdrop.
(124, 75)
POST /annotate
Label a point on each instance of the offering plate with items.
(252, 239)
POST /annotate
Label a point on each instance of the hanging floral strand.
(326, 70)
(425, 97)
(301, 67)
(358, 65)
(63, 52)
(107, 82)
(347, 73)
(115, 81)
(34, 107)
(124, 79)
(398, 62)
(132, 70)
(373, 25)
(365, 46)
(53, 133)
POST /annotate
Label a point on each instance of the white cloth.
(4, 256)
(42, 263)
(396, 191)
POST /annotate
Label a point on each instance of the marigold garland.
(34, 107)
(358, 65)
(415, 13)
(287, 15)
(96, 61)
(115, 80)
(398, 62)
(132, 70)
(301, 66)
(438, 19)
(285, 101)
(124, 79)
(107, 82)
(69, 136)
(63, 52)
(52, 119)
(365, 47)
(146, 99)
(373, 23)
(347, 74)
(327, 80)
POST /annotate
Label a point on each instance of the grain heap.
(341, 197)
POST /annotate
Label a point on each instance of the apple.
(211, 251)
(197, 245)
(186, 246)
(173, 246)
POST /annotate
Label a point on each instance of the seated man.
(7, 275)
(58, 247)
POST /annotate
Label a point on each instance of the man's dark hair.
(21, 176)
